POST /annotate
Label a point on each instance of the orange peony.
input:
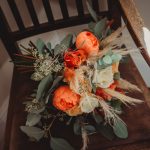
(88, 42)
(68, 74)
(65, 99)
(74, 58)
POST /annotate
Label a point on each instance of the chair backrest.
(10, 38)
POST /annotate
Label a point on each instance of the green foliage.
(97, 118)
(64, 45)
(106, 130)
(38, 111)
(40, 45)
(91, 26)
(49, 46)
(43, 86)
(33, 119)
(55, 83)
(120, 129)
(91, 11)
(116, 104)
(77, 128)
(89, 129)
(100, 27)
(60, 144)
(33, 132)
(117, 76)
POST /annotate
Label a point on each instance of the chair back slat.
(16, 14)
(64, 10)
(32, 12)
(48, 11)
(24, 31)
(80, 8)
(95, 5)
(6, 37)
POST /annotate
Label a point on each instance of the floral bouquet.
(79, 85)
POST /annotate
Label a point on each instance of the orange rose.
(65, 99)
(74, 58)
(69, 74)
(88, 42)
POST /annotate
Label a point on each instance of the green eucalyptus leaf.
(99, 27)
(120, 129)
(91, 11)
(43, 86)
(49, 46)
(106, 130)
(116, 104)
(90, 129)
(40, 45)
(64, 44)
(55, 83)
(91, 26)
(60, 144)
(77, 128)
(98, 118)
(33, 119)
(33, 132)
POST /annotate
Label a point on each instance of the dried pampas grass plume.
(124, 84)
(125, 52)
(112, 37)
(85, 138)
(123, 98)
(111, 115)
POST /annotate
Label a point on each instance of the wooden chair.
(139, 135)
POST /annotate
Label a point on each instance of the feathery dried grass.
(126, 85)
(112, 37)
(111, 115)
(124, 51)
(123, 98)
(85, 139)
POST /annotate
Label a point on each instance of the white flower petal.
(88, 104)
(103, 78)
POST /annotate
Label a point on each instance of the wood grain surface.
(137, 119)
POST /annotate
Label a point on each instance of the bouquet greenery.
(79, 85)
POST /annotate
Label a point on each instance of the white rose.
(88, 104)
(103, 78)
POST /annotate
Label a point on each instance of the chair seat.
(137, 119)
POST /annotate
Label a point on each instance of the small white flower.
(103, 78)
(88, 103)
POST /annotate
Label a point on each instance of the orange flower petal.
(65, 99)
(87, 42)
